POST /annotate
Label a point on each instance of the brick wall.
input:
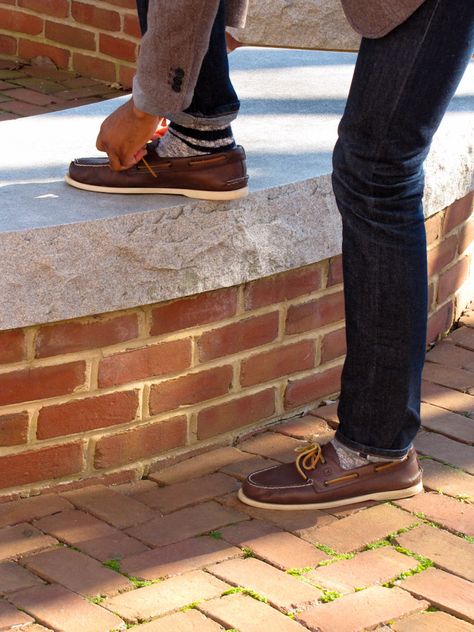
(98, 38)
(104, 397)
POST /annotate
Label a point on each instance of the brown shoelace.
(310, 455)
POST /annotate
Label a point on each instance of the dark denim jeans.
(401, 88)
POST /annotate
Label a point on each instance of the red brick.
(431, 296)
(185, 523)
(61, 609)
(447, 551)
(361, 611)
(365, 569)
(463, 337)
(306, 428)
(433, 228)
(282, 590)
(335, 275)
(246, 334)
(430, 622)
(7, 45)
(241, 612)
(165, 597)
(141, 443)
(195, 466)
(131, 26)
(447, 511)
(186, 621)
(27, 509)
(175, 559)
(79, 336)
(333, 345)
(458, 212)
(466, 237)
(92, 536)
(283, 287)
(57, 8)
(23, 109)
(41, 465)
(354, 532)
(40, 383)
(13, 429)
(447, 423)
(448, 592)
(446, 450)
(283, 361)
(272, 445)
(313, 388)
(451, 355)
(94, 67)
(126, 74)
(12, 346)
(237, 413)
(448, 376)
(190, 389)
(22, 539)
(125, 4)
(439, 322)
(14, 577)
(194, 311)
(93, 16)
(440, 256)
(179, 495)
(451, 280)
(28, 49)
(448, 480)
(29, 96)
(139, 364)
(11, 618)
(69, 35)
(117, 47)
(315, 314)
(17, 21)
(279, 548)
(87, 414)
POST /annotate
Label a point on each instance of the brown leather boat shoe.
(317, 481)
(220, 176)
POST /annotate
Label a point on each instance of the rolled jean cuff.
(368, 451)
(187, 119)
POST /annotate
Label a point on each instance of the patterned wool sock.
(201, 139)
(350, 459)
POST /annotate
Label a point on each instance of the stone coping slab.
(66, 253)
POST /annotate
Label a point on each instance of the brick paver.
(273, 446)
(308, 428)
(447, 423)
(450, 513)
(14, 577)
(189, 621)
(92, 536)
(10, 617)
(29, 508)
(180, 495)
(241, 469)
(242, 612)
(354, 532)
(117, 509)
(370, 567)
(447, 450)
(458, 379)
(60, 609)
(198, 466)
(361, 610)
(450, 593)
(448, 480)
(181, 557)
(282, 590)
(447, 398)
(431, 622)
(165, 597)
(76, 571)
(185, 523)
(21, 539)
(450, 552)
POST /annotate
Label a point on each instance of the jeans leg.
(401, 88)
(215, 99)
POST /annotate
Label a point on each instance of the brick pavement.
(179, 552)
(27, 90)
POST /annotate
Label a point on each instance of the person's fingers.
(139, 155)
(115, 163)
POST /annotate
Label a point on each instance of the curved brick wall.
(96, 39)
(105, 397)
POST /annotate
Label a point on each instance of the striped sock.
(194, 141)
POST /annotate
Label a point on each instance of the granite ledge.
(66, 254)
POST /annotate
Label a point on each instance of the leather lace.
(310, 455)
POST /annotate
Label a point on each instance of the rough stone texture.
(281, 225)
(320, 24)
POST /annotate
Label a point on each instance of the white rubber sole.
(191, 193)
(389, 495)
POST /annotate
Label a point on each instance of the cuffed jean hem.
(368, 451)
(187, 119)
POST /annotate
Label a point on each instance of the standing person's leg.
(402, 86)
